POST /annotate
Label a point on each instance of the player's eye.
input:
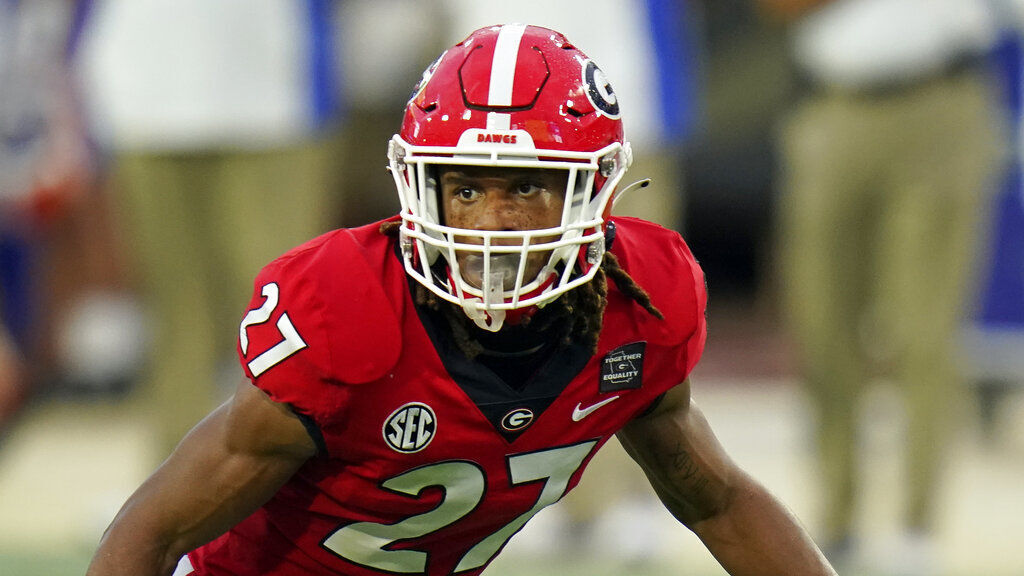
(529, 188)
(466, 193)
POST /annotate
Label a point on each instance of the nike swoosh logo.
(579, 413)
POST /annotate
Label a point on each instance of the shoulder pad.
(365, 308)
(661, 263)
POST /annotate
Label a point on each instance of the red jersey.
(429, 462)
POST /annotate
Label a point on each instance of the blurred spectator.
(889, 162)
(11, 379)
(383, 47)
(997, 336)
(46, 175)
(222, 116)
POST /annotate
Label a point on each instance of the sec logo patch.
(410, 428)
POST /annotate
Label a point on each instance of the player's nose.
(499, 212)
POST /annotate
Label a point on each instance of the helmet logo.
(599, 90)
(496, 138)
(410, 428)
(480, 139)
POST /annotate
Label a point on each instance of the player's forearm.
(130, 548)
(226, 467)
(755, 535)
(118, 561)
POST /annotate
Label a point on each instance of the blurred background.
(846, 171)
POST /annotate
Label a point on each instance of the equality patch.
(623, 368)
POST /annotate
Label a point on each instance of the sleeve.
(694, 347)
(659, 261)
(319, 323)
(282, 343)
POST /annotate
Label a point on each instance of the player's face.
(502, 199)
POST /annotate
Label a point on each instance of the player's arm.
(227, 466)
(745, 527)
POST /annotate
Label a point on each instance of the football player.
(419, 388)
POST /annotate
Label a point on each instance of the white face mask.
(494, 280)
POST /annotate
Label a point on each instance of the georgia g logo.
(599, 90)
(517, 419)
(410, 428)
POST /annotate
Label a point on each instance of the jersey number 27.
(367, 543)
(291, 343)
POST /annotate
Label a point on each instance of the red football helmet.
(512, 96)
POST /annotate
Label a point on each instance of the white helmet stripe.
(503, 67)
(499, 121)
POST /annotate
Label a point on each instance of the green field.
(22, 563)
(14, 563)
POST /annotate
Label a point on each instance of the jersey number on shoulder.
(463, 482)
(291, 343)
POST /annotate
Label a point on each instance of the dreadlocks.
(577, 315)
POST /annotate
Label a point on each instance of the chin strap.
(515, 317)
(492, 320)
